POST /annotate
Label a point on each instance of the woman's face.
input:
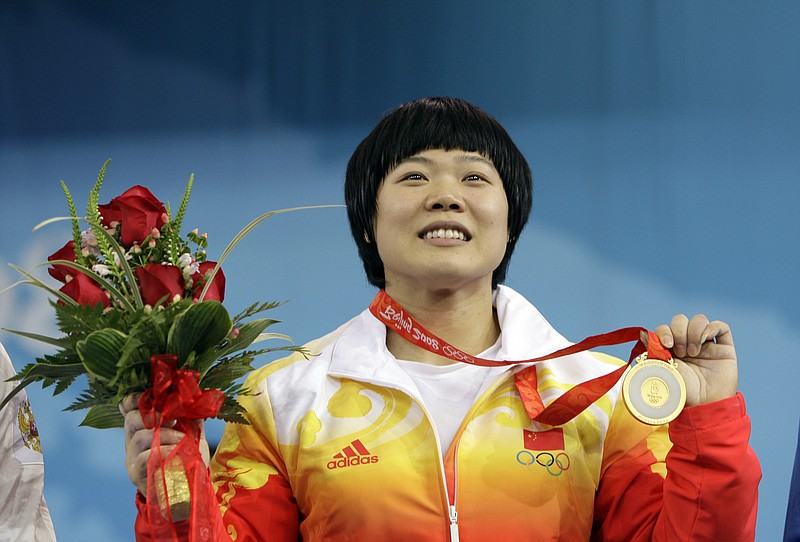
(442, 220)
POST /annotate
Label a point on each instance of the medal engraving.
(654, 391)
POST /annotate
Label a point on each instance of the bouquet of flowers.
(134, 288)
(140, 308)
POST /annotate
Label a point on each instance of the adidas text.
(352, 461)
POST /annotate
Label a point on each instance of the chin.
(450, 281)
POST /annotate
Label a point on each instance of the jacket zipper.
(453, 524)
(452, 506)
(452, 513)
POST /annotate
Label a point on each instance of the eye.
(413, 178)
(475, 178)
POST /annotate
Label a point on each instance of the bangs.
(451, 126)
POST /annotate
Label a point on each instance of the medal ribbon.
(565, 407)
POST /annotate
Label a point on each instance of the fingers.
(696, 334)
(138, 448)
(139, 441)
(664, 334)
(705, 356)
(686, 337)
(130, 402)
(137, 468)
(720, 332)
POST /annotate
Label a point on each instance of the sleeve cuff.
(709, 415)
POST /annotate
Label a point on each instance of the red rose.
(83, 289)
(138, 212)
(217, 289)
(61, 272)
(157, 281)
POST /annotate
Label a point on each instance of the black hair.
(424, 124)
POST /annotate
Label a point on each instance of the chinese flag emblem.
(544, 440)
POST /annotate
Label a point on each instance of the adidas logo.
(350, 456)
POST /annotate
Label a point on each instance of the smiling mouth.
(444, 233)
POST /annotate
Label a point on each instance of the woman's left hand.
(704, 355)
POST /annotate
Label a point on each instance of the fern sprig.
(254, 309)
(76, 229)
(177, 222)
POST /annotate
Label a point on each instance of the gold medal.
(653, 390)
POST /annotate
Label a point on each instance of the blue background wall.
(663, 138)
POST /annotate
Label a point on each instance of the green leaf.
(232, 411)
(41, 338)
(93, 212)
(14, 391)
(248, 333)
(7, 288)
(103, 417)
(133, 379)
(177, 221)
(77, 322)
(99, 279)
(201, 326)
(100, 352)
(36, 282)
(41, 371)
(270, 336)
(223, 374)
(76, 230)
(254, 309)
(94, 193)
(96, 394)
(63, 384)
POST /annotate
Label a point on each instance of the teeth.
(442, 233)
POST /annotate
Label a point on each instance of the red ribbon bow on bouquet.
(176, 395)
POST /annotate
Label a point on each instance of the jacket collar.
(526, 333)
(360, 352)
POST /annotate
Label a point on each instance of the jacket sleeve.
(251, 479)
(697, 482)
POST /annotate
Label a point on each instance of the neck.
(464, 318)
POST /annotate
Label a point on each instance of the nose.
(444, 202)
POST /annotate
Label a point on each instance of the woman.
(379, 438)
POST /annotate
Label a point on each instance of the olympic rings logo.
(555, 464)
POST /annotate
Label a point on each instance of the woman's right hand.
(138, 441)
